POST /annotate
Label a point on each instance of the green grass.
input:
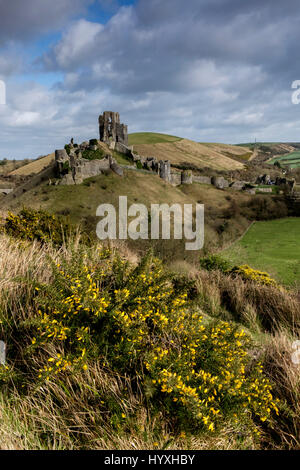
(292, 160)
(122, 159)
(271, 246)
(151, 138)
(80, 202)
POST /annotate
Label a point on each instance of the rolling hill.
(166, 147)
(182, 151)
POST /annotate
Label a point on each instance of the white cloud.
(80, 39)
(214, 71)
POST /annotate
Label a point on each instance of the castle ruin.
(73, 168)
(111, 130)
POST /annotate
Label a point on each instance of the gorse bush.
(103, 354)
(135, 322)
(39, 225)
(216, 262)
(248, 273)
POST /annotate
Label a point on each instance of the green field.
(151, 138)
(292, 160)
(271, 246)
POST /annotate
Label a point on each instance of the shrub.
(262, 207)
(215, 262)
(93, 154)
(259, 277)
(68, 149)
(39, 225)
(133, 320)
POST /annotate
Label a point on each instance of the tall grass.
(103, 408)
(272, 314)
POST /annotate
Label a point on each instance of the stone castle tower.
(111, 129)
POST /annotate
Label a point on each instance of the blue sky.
(209, 70)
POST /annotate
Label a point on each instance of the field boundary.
(239, 238)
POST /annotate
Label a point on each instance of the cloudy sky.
(209, 70)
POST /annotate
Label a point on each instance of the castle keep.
(111, 130)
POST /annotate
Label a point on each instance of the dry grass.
(34, 167)
(249, 302)
(286, 377)
(57, 417)
(70, 414)
(272, 316)
(214, 156)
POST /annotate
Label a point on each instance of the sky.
(211, 71)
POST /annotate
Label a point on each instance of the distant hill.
(181, 151)
(287, 153)
(34, 167)
(8, 166)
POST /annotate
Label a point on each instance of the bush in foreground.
(132, 321)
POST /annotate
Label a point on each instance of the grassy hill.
(111, 349)
(151, 138)
(277, 242)
(162, 146)
(181, 151)
(80, 202)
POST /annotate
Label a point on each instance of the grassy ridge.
(151, 138)
(273, 246)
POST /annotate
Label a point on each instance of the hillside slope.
(34, 167)
(277, 243)
(182, 151)
(166, 147)
(81, 201)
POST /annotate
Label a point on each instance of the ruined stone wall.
(73, 169)
(202, 179)
(175, 179)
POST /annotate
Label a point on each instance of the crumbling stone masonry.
(165, 170)
(111, 129)
(73, 169)
(186, 177)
